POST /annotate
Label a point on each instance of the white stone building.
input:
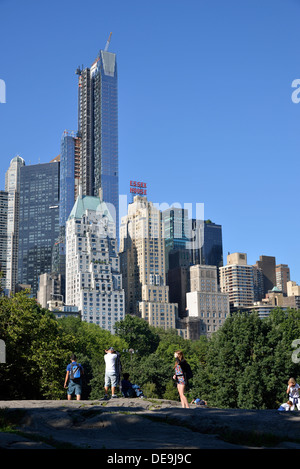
(205, 301)
(12, 186)
(93, 278)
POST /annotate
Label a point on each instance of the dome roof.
(18, 159)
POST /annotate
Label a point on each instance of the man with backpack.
(74, 375)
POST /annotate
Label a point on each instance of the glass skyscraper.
(210, 251)
(69, 173)
(98, 130)
(39, 221)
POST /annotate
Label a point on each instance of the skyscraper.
(98, 130)
(282, 277)
(3, 236)
(208, 236)
(142, 255)
(93, 279)
(237, 279)
(39, 221)
(267, 264)
(204, 301)
(69, 174)
(12, 187)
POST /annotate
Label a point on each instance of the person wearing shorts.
(111, 375)
(75, 385)
(180, 377)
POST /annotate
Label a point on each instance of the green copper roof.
(87, 202)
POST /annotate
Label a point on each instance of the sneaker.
(105, 398)
(114, 396)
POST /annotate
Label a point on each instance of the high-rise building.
(142, 255)
(49, 289)
(236, 279)
(282, 277)
(267, 264)
(293, 290)
(258, 283)
(98, 130)
(176, 225)
(39, 221)
(205, 301)
(12, 187)
(69, 190)
(176, 230)
(69, 173)
(188, 242)
(3, 237)
(93, 279)
(208, 248)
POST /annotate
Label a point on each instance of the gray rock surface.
(133, 424)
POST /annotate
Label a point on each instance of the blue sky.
(205, 108)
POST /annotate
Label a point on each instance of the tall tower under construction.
(98, 129)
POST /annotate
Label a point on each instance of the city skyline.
(226, 133)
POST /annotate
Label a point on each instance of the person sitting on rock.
(129, 389)
(286, 406)
(198, 401)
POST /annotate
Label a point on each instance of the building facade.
(237, 280)
(39, 221)
(93, 278)
(3, 238)
(208, 248)
(282, 277)
(142, 255)
(267, 264)
(98, 130)
(12, 187)
(69, 174)
(205, 301)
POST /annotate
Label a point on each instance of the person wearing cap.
(111, 374)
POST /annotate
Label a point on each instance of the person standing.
(74, 375)
(111, 372)
(180, 377)
(293, 392)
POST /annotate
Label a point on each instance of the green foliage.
(245, 364)
(249, 361)
(36, 348)
(138, 334)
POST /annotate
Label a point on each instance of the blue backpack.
(75, 371)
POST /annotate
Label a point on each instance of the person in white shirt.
(293, 392)
(286, 406)
(111, 373)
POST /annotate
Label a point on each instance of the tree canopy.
(245, 364)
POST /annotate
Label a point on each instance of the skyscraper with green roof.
(93, 278)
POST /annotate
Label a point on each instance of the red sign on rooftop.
(137, 187)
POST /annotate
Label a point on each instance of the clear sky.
(205, 108)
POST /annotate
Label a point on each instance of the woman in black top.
(180, 377)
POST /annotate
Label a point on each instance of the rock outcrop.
(134, 424)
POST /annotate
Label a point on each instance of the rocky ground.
(134, 424)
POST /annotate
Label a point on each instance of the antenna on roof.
(107, 43)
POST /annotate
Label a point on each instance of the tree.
(138, 334)
(36, 350)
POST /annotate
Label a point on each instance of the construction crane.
(107, 43)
